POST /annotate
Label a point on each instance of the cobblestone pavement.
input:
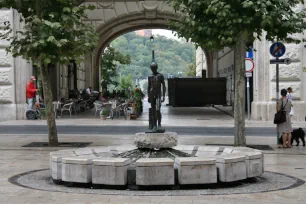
(15, 160)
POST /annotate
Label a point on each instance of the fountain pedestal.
(156, 140)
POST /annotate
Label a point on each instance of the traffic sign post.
(277, 50)
(286, 61)
(249, 67)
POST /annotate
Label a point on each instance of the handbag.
(280, 116)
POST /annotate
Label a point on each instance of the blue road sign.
(277, 49)
(249, 53)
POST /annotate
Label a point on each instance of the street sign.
(248, 74)
(277, 49)
(286, 61)
(249, 65)
(249, 53)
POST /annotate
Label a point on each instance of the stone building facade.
(264, 78)
(116, 17)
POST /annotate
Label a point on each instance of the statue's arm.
(149, 88)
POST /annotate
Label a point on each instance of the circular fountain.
(155, 160)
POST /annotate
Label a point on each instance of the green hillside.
(171, 55)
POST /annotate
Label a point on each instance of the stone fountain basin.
(207, 165)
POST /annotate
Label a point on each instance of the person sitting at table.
(103, 98)
(89, 90)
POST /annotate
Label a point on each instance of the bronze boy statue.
(155, 84)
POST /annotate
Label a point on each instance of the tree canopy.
(110, 61)
(215, 24)
(191, 70)
(54, 31)
(172, 56)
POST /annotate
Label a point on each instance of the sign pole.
(277, 95)
(277, 50)
(249, 66)
(248, 98)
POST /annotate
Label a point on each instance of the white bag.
(292, 111)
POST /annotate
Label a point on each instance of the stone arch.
(128, 23)
(115, 18)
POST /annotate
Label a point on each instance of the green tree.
(111, 59)
(215, 24)
(54, 33)
(191, 70)
(172, 56)
(126, 84)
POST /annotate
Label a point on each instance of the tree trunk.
(239, 106)
(210, 63)
(52, 131)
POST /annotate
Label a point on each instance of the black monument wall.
(196, 92)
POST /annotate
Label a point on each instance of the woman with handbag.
(284, 125)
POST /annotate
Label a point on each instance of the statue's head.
(154, 67)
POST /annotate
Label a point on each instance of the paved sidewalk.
(15, 160)
(182, 116)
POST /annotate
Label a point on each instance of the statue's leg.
(159, 117)
(150, 119)
(154, 115)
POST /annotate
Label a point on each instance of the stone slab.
(193, 161)
(197, 174)
(156, 140)
(100, 150)
(231, 158)
(83, 151)
(253, 155)
(254, 167)
(112, 162)
(209, 151)
(122, 148)
(109, 175)
(229, 172)
(76, 173)
(189, 149)
(56, 158)
(56, 170)
(154, 175)
(228, 150)
(76, 160)
(147, 162)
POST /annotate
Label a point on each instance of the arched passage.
(124, 24)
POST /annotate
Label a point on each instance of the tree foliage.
(54, 32)
(111, 59)
(191, 70)
(215, 24)
(126, 84)
(172, 56)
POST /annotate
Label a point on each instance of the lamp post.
(153, 54)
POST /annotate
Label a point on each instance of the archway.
(117, 27)
(114, 18)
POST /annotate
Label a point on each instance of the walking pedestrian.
(285, 128)
(30, 92)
